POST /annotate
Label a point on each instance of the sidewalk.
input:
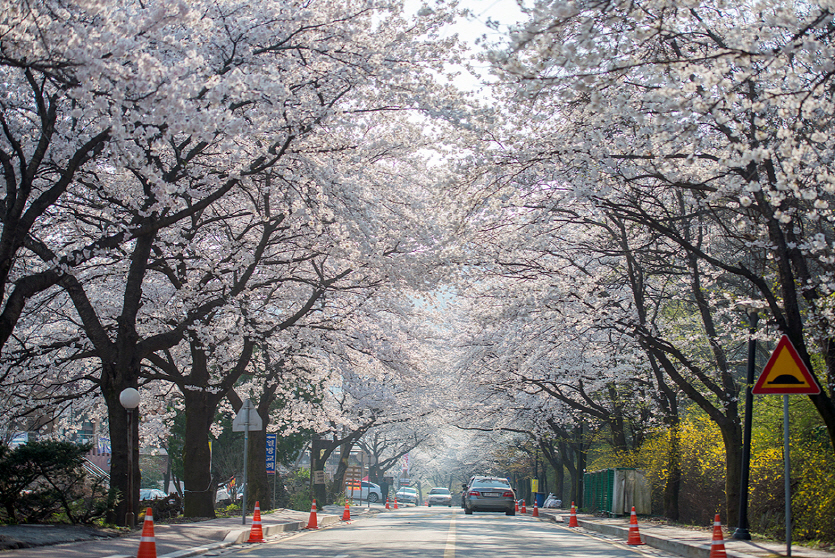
(689, 543)
(172, 540)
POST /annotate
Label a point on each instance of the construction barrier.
(346, 515)
(256, 534)
(147, 543)
(313, 522)
(717, 545)
(634, 535)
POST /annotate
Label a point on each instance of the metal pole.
(741, 532)
(130, 517)
(786, 474)
(246, 451)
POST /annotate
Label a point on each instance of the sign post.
(247, 419)
(353, 481)
(785, 373)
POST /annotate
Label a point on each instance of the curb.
(240, 536)
(682, 548)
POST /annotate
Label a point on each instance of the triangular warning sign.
(785, 373)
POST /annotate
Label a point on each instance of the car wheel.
(468, 511)
(373, 498)
(510, 512)
(449, 506)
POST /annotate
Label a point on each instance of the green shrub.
(46, 481)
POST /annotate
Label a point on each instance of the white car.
(151, 494)
(408, 494)
(370, 492)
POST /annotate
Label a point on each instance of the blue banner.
(271, 442)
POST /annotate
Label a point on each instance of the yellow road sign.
(785, 373)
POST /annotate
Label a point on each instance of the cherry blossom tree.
(197, 103)
(725, 107)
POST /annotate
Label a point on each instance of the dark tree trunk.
(732, 438)
(198, 500)
(318, 456)
(672, 486)
(258, 489)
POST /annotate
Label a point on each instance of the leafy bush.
(46, 480)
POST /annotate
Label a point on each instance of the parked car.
(439, 496)
(407, 494)
(151, 494)
(490, 494)
(369, 491)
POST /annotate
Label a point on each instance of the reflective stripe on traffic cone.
(524, 510)
(535, 509)
(313, 522)
(572, 519)
(147, 543)
(717, 545)
(256, 534)
(634, 536)
(346, 515)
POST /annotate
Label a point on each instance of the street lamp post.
(129, 398)
(741, 532)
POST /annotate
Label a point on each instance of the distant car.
(151, 494)
(369, 491)
(489, 494)
(439, 496)
(223, 496)
(407, 494)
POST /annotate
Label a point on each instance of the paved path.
(191, 539)
(175, 540)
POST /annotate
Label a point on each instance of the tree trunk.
(672, 486)
(258, 486)
(732, 438)
(317, 463)
(197, 475)
(117, 417)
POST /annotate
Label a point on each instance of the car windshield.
(491, 483)
(439, 491)
(413, 490)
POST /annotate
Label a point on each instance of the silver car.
(489, 494)
(439, 496)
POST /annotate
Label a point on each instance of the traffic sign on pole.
(786, 373)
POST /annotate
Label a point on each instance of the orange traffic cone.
(395, 503)
(346, 515)
(572, 519)
(313, 522)
(147, 543)
(517, 506)
(717, 545)
(535, 509)
(524, 510)
(256, 534)
(387, 504)
(634, 536)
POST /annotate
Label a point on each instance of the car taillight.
(474, 493)
(507, 494)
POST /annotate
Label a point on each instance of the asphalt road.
(444, 533)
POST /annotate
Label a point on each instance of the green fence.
(614, 491)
